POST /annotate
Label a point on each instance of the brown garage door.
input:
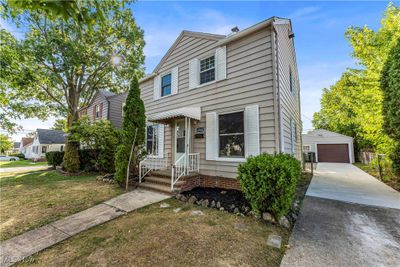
(333, 153)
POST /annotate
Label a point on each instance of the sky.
(322, 51)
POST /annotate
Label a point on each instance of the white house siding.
(249, 82)
(289, 101)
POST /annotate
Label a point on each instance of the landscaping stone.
(183, 198)
(223, 192)
(274, 241)
(196, 213)
(236, 211)
(212, 204)
(178, 196)
(240, 226)
(177, 210)
(218, 205)
(222, 208)
(266, 216)
(192, 200)
(205, 203)
(164, 205)
(283, 221)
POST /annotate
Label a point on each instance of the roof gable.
(46, 136)
(324, 133)
(200, 35)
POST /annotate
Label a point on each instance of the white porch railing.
(152, 163)
(183, 166)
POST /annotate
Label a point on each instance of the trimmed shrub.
(55, 158)
(19, 155)
(269, 182)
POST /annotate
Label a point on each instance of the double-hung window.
(207, 70)
(166, 85)
(231, 135)
(44, 149)
(151, 145)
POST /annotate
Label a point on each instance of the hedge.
(55, 158)
(269, 182)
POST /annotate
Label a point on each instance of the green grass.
(30, 200)
(154, 236)
(388, 178)
(21, 163)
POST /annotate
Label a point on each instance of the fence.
(366, 157)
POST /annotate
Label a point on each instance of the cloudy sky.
(322, 50)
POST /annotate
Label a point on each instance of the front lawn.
(30, 200)
(21, 163)
(155, 236)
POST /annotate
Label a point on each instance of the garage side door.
(333, 153)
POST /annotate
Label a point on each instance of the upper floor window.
(151, 143)
(97, 111)
(231, 135)
(207, 70)
(166, 85)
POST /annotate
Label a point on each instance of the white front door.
(180, 140)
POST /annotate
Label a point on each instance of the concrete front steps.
(160, 181)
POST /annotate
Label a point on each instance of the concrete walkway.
(23, 169)
(24, 245)
(348, 218)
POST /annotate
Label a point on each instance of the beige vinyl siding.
(249, 82)
(99, 98)
(290, 101)
(115, 109)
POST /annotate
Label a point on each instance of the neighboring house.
(26, 146)
(329, 146)
(105, 105)
(16, 147)
(215, 100)
(44, 141)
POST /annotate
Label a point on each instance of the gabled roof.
(106, 93)
(26, 141)
(202, 35)
(324, 133)
(47, 136)
(222, 39)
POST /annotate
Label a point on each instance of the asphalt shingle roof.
(47, 136)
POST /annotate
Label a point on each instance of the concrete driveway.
(348, 218)
(24, 169)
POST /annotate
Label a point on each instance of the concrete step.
(167, 174)
(156, 187)
(161, 180)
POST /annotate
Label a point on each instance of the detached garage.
(329, 146)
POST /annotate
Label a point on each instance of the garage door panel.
(333, 153)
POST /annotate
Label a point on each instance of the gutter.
(147, 77)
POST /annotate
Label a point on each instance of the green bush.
(19, 155)
(269, 182)
(87, 158)
(55, 158)
(71, 157)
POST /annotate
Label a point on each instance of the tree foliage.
(353, 106)
(100, 136)
(133, 128)
(5, 143)
(390, 84)
(60, 124)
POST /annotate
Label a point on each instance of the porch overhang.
(186, 112)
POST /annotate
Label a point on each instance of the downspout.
(280, 130)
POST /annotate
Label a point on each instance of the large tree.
(354, 104)
(60, 65)
(5, 143)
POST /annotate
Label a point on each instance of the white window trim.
(152, 155)
(231, 159)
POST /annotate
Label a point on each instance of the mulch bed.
(228, 199)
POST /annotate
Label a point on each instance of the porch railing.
(183, 166)
(152, 163)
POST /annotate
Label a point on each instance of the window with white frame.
(231, 135)
(207, 70)
(166, 85)
(152, 137)
(306, 148)
(122, 109)
(97, 111)
(44, 149)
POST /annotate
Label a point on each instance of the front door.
(180, 134)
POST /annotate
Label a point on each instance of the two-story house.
(105, 105)
(214, 100)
